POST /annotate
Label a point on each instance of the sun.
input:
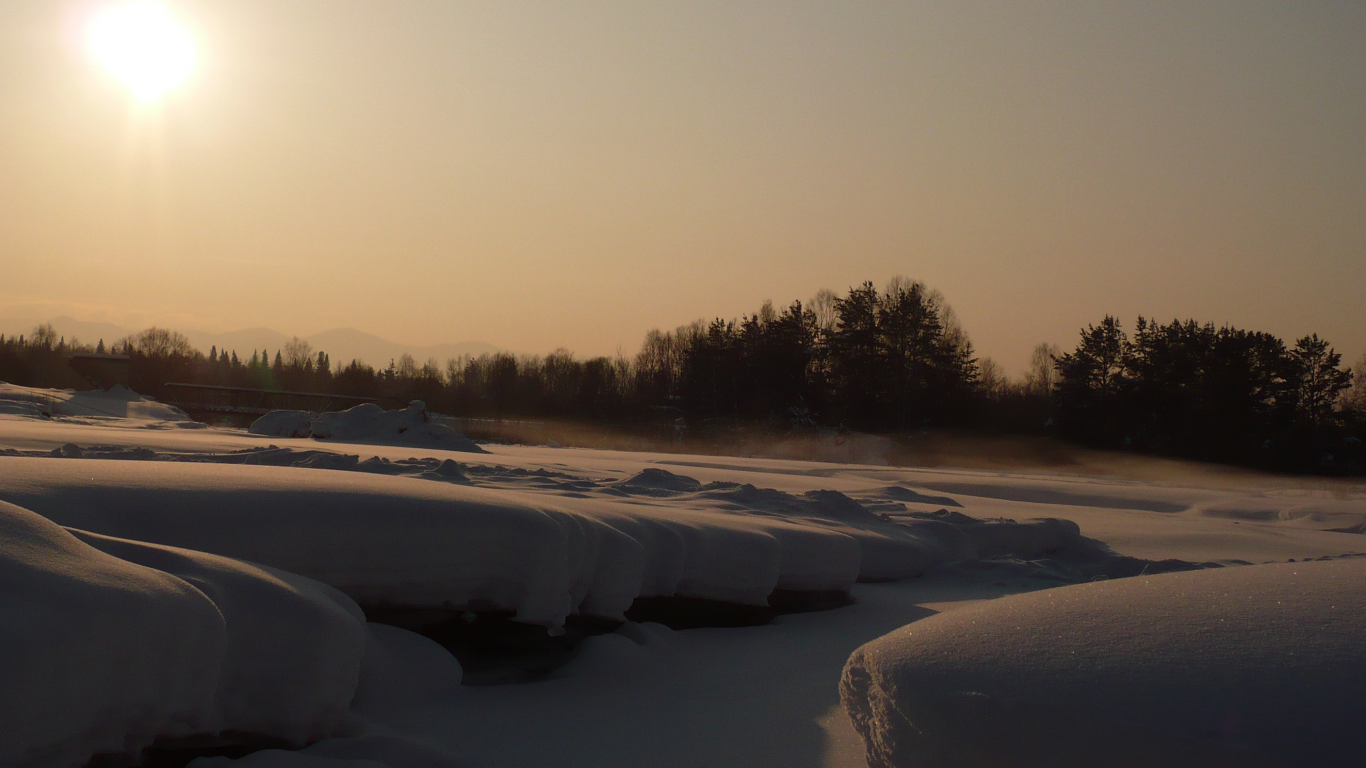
(142, 46)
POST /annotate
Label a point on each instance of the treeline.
(885, 361)
(890, 360)
(1222, 394)
(497, 386)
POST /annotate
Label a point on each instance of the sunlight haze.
(542, 175)
(142, 46)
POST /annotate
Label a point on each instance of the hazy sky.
(572, 174)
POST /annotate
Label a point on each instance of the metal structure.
(209, 400)
(104, 371)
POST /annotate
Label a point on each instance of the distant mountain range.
(341, 344)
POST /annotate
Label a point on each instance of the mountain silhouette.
(341, 344)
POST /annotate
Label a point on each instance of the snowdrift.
(538, 544)
(1257, 665)
(408, 542)
(367, 424)
(107, 645)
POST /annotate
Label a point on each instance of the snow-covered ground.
(550, 534)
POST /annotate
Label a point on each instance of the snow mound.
(283, 424)
(652, 480)
(450, 471)
(1257, 665)
(110, 644)
(116, 406)
(1030, 538)
(369, 424)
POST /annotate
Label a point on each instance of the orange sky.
(541, 175)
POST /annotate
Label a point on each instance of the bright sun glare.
(143, 46)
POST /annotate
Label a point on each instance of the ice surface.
(367, 423)
(109, 644)
(1259, 665)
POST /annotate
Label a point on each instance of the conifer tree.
(1320, 381)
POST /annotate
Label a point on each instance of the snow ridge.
(111, 644)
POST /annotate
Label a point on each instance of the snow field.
(548, 532)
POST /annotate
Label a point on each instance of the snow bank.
(545, 548)
(1258, 665)
(400, 541)
(109, 644)
(367, 423)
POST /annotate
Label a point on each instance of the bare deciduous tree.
(297, 353)
(44, 336)
(1354, 397)
(992, 378)
(823, 305)
(158, 342)
(431, 370)
(1042, 375)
